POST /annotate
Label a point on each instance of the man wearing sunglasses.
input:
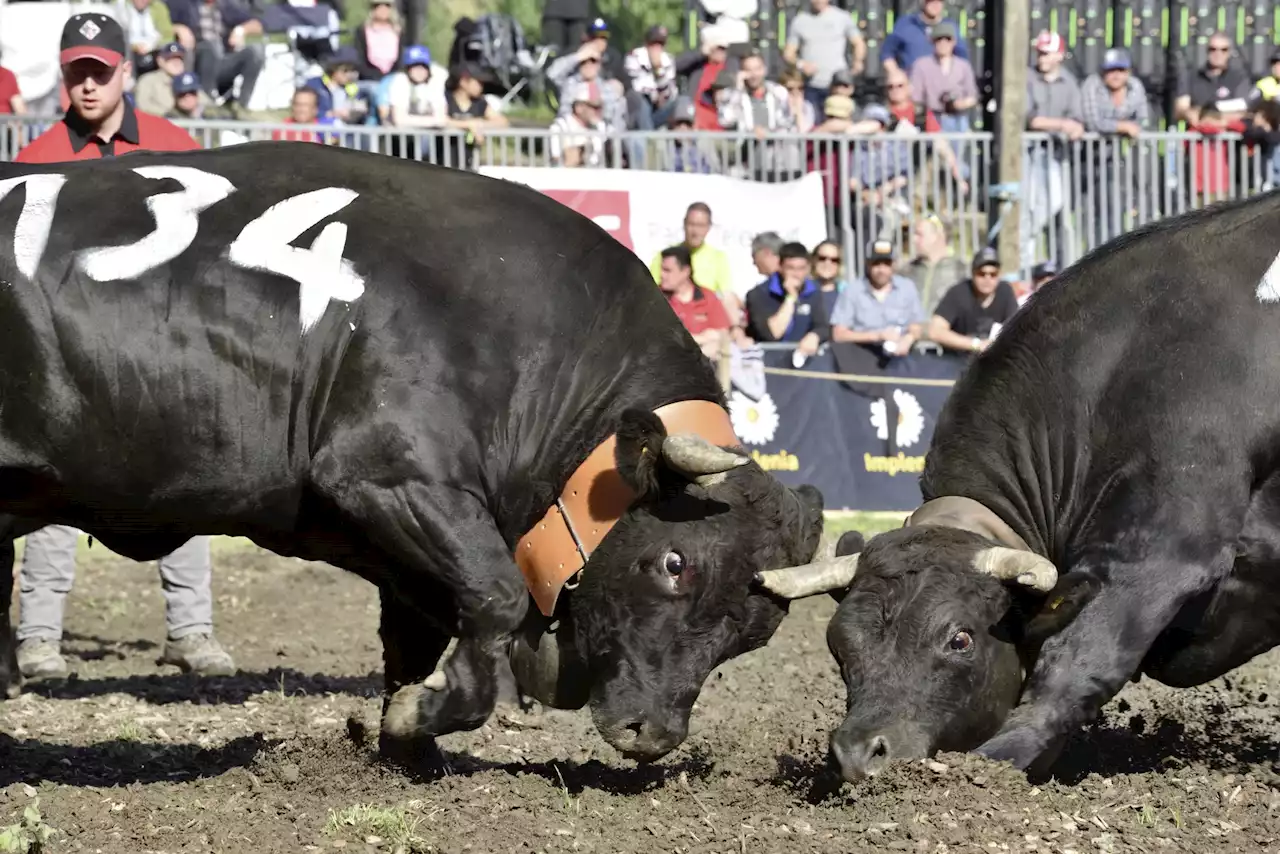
(971, 314)
(1218, 84)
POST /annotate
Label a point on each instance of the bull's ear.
(1063, 604)
(850, 543)
(639, 451)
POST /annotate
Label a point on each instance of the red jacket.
(71, 139)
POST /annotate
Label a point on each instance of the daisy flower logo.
(910, 418)
(755, 421)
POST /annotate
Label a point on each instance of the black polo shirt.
(1206, 91)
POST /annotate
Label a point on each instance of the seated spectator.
(412, 100)
(788, 306)
(191, 102)
(377, 41)
(578, 138)
(1264, 132)
(652, 72)
(1113, 101)
(880, 171)
(971, 314)
(827, 273)
(882, 310)
(935, 269)
(11, 102)
(468, 110)
(802, 110)
(147, 26)
(154, 90)
(702, 68)
(1041, 275)
(304, 109)
(759, 106)
(219, 28)
(699, 310)
(684, 154)
(764, 252)
(1268, 88)
(911, 119)
(340, 96)
(595, 61)
(841, 84)
(1220, 84)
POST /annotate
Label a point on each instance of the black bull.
(393, 368)
(1102, 500)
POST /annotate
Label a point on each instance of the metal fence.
(1075, 194)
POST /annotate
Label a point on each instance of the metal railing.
(1075, 195)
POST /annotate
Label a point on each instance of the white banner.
(645, 210)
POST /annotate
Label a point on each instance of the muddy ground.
(130, 757)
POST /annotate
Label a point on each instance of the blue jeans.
(957, 124)
(818, 98)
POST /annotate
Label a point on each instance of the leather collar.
(594, 498)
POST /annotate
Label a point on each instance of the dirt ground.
(129, 757)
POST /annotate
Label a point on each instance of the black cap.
(880, 250)
(843, 77)
(598, 28)
(985, 257)
(1044, 270)
(92, 35)
(657, 34)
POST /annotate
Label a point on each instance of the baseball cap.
(877, 113)
(1116, 58)
(345, 55)
(1044, 270)
(843, 77)
(838, 106)
(416, 54)
(598, 28)
(683, 111)
(943, 30)
(985, 257)
(879, 250)
(184, 83)
(170, 49)
(726, 79)
(588, 93)
(1048, 42)
(657, 34)
(92, 35)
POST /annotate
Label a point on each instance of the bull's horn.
(823, 576)
(552, 676)
(1027, 568)
(697, 458)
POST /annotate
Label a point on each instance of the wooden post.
(1011, 110)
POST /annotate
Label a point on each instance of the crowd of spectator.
(928, 303)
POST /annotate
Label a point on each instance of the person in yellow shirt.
(710, 265)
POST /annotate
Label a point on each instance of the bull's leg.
(1080, 669)
(1220, 631)
(10, 678)
(410, 651)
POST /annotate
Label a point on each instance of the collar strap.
(594, 498)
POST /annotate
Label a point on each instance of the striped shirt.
(645, 79)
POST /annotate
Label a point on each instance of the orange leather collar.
(594, 499)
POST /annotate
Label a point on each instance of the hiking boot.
(41, 658)
(200, 654)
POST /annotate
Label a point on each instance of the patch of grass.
(130, 731)
(393, 826)
(28, 836)
(868, 523)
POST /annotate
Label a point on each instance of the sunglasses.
(834, 259)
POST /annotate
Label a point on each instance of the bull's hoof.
(417, 755)
(433, 707)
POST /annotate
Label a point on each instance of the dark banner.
(829, 424)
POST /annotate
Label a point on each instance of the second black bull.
(1102, 500)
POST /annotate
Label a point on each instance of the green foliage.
(29, 836)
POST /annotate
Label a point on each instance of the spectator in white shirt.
(652, 73)
(577, 139)
(413, 100)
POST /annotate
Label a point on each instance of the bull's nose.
(643, 741)
(861, 757)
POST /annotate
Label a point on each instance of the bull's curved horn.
(822, 576)
(552, 676)
(700, 460)
(1027, 568)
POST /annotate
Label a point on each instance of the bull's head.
(938, 624)
(668, 595)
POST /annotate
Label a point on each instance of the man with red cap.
(100, 122)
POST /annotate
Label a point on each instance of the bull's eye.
(673, 563)
(961, 641)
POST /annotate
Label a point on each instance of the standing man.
(101, 123)
(816, 44)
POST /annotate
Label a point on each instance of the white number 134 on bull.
(322, 273)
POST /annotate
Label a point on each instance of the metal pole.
(1010, 81)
